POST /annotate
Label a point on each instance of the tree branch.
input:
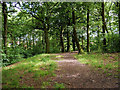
(11, 11)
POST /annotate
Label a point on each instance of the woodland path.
(76, 75)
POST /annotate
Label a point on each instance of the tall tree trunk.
(39, 42)
(61, 39)
(75, 34)
(88, 50)
(68, 40)
(98, 35)
(27, 43)
(29, 39)
(23, 42)
(82, 42)
(46, 40)
(5, 27)
(43, 45)
(73, 41)
(118, 3)
(119, 16)
(33, 41)
(103, 27)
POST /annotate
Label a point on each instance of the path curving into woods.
(76, 75)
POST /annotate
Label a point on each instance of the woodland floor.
(76, 75)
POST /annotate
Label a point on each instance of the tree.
(61, 39)
(103, 27)
(74, 32)
(88, 30)
(68, 40)
(4, 9)
(5, 15)
(119, 15)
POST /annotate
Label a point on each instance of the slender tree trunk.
(119, 16)
(98, 35)
(27, 40)
(75, 34)
(5, 27)
(39, 43)
(68, 40)
(43, 45)
(118, 3)
(103, 27)
(73, 41)
(61, 39)
(82, 42)
(46, 29)
(46, 40)
(23, 43)
(33, 41)
(33, 34)
(88, 49)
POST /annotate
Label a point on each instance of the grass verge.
(107, 62)
(30, 73)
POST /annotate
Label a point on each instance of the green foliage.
(113, 43)
(4, 58)
(45, 59)
(26, 35)
(14, 55)
(27, 53)
(59, 85)
(27, 27)
(44, 84)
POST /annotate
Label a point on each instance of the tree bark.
(5, 27)
(73, 41)
(82, 42)
(75, 34)
(43, 45)
(27, 42)
(88, 49)
(68, 40)
(39, 42)
(103, 27)
(29, 39)
(33, 41)
(61, 39)
(98, 35)
(23, 43)
(46, 40)
(119, 16)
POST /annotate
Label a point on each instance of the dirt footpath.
(76, 75)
